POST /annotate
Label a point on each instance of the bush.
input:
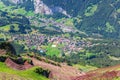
(42, 71)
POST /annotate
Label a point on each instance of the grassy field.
(52, 51)
(24, 75)
(84, 68)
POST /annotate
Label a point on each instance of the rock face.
(16, 1)
(43, 8)
(60, 10)
(13, 1)
(40, 7)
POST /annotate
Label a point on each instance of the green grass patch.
(85, 68)
(16, 27)
(30, 74)
(69, 22)
(52, 51)
(88, 54)
(117, 78)
(8, 27)
(2, 5)
(1, 35)
(91, 10)
(5, 28)
(30, 13)
(118, 10)
(20, 11)
(109, 27)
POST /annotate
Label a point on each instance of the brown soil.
(65, 72)
(16, 66)
(2, 52)
(5, 76)
(108, 73)
(62, 72)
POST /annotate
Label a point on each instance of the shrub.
(42, 71)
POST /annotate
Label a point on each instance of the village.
(36, 41)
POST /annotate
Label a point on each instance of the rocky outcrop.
(40, 7)
(16, 1)
(16, 66)
(2, 52)
(57, 9)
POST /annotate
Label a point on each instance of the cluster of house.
(34, 41)
(30, 41)
(68, 45)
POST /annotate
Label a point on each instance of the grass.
(109, 27)
(118, 78)
(16, 27)
(8, 27)
(69, 22)
(30, 13)
(52, 51)
(20, 11)
(91, 10)
(1, 35)
(13, 10)
(2, 5)
(5, 28)
(85, 68)
(118, 10)
(27, 74)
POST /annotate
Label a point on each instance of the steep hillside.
(91, 16)
(13, 22)
(96, 16)
(108, 73)
(101, 18)
(8, 73)
(31, 66)
(16, 68)
(43, 37)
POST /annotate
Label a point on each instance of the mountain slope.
(13, 22)
(96, 16)
(108, 73)
(12, 67)
(8, 73)
(32, 66)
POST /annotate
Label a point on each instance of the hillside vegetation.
(52, 34)
(9, 73)
(13, 22)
